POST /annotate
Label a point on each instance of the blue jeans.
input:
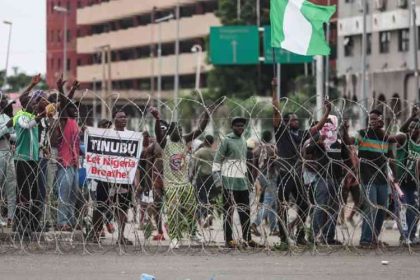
(411, 197)
(68, 185)
(326, 208)
(375, 197)
(268, 209)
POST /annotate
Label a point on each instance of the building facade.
(55, 38)
(390, 51)
(132, 30)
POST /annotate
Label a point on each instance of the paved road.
(111, 266)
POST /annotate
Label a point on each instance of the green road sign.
(234, 45)
(282, 56)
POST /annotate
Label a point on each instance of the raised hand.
(60, 83)
(36, 79)
(154, 112)
(327, 105)
(75, 84)
(415, 111)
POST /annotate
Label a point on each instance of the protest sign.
(112, 156)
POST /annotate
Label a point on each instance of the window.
(348, 46)
(68, 36)
(384, 41)
(68, 64)
(369, 44)
(403, 40)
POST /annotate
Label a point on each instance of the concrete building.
(390, 54)
(55, 38)
(130, 30)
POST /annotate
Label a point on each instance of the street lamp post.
(176, 79)
(159, 51)
(65, 12)
(8, 52)
(198, 50)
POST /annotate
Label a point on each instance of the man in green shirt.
(229, 168)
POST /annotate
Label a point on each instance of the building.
(390, 54)
(55, 38)
(132, 31)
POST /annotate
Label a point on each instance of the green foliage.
(18, 81)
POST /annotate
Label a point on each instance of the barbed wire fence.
(31, 225)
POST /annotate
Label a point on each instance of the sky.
(28, 43)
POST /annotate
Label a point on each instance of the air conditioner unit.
(402, 3)
(380, 5)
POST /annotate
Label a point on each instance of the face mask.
(329, 131)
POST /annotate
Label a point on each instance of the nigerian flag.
(297, 26)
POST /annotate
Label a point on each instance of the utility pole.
(8, 52)
(363, 114)
(106, 98)
(319, 85)
(176, 79)
(415, 46)
(327, 61)
(159, 51)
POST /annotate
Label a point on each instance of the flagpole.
(327, 60)
(319, 85)
(415, 47)
(278, 81)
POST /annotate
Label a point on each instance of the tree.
(19, 80)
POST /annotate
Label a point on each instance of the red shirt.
(68, 151)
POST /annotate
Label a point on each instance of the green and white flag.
(297, 26)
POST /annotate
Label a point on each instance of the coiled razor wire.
(206, 236)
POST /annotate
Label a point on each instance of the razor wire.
(197, 212)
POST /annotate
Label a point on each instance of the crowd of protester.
(183, 184)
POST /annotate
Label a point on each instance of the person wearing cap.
(230, 170)
(408, 170)
(7, 168)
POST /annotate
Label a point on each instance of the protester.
(289, 140)
(180, 201)
(25, 123)
(103, 205)
(7, 167)
(267, 186)
(68, 159)
(408, 155)
(230, 168)
(373, 147)
(206, 190)
(328, 156)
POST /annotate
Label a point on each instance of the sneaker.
(366, 245)
(301, 241)
(275, 232)
(232, 244)
(254, 230)
(110, 228)
(282, 246)
(158, 237)
(125, 241)
(334, 242)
